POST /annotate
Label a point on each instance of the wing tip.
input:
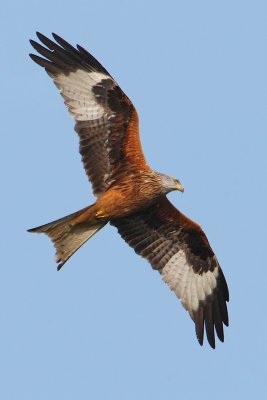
(210, 319)
(56, 36)
(40, 35)
(34, 230)
(200, 340)
(60, 265)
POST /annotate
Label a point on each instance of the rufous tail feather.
(68, 236)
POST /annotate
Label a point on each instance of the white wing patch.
(189, 286)
(76, 88)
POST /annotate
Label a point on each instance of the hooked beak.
(180, 187)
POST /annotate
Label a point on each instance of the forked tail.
(68, 236)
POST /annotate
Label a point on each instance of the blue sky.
(106, 327)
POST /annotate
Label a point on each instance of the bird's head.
(169, 183)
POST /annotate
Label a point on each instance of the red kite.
(129, 194)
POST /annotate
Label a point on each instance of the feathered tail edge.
(68, 236)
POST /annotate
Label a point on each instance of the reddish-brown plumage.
(132, 147)
(130, 195)
(167, 212)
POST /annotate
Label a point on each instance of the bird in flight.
(129, 194)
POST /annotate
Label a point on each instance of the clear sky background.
(106, 327)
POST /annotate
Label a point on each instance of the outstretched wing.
(178, 248)
(106, 120)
